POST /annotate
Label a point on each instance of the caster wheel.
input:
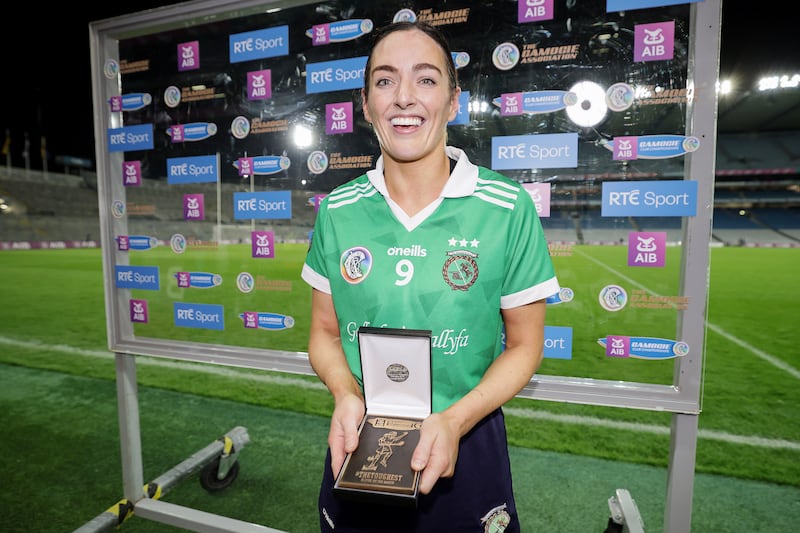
(208, 476)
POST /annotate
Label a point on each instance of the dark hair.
(431, 31)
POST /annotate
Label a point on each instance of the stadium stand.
(45, 210)
(37, 208)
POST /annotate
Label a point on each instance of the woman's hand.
(437, 450)
(343, 435)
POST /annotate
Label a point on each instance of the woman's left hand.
(437, 451)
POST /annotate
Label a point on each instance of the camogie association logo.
(355, 265)
(460, 270)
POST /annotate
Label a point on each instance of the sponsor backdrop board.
(221, 125)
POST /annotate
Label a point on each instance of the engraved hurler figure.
(384, 452)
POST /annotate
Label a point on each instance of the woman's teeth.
(406, 121)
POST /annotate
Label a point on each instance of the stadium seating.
(64, 207)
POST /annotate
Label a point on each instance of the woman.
(427, 240)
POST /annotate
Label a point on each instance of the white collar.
(462, 182)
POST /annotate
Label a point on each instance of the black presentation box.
(396, 371)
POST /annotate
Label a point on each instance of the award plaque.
(396, 372)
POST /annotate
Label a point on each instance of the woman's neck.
(415, 185)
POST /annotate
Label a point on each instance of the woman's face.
(410, 101)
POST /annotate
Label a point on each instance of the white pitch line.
(771, 359)
(216, 370)
(512, 411)
(653, 429)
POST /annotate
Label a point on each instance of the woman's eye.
(382, 82)
(428, 81)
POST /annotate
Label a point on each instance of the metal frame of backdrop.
(681, 397)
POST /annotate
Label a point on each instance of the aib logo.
(138, 310)
(626, 148)
(511, 104)
(320, 34)
(259, 85)
(250, 319)
(339, 118)
(618, 346)
(540, 194)
(132, 173)
(654, 42)
(189, 56)
(533, 10)
(246, 166)
(647, 249)
(262, 244)
(193, 208)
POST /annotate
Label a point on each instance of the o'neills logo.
(460, 270)
(414, 250)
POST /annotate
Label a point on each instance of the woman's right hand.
(343, 436)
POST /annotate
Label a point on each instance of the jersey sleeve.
(315, 270)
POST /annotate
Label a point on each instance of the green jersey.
(450, 268)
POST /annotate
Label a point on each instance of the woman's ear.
(454, 101)
(364, 106)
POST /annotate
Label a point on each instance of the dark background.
(47, 78)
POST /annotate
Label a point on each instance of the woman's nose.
(405, 94)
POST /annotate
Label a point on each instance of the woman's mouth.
(406, 121)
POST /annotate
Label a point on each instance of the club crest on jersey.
(460, 270)
(496, 520)
(355, 264)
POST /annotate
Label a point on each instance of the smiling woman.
(475, 261)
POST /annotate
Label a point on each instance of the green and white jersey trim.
(347, 195)
(496, 192)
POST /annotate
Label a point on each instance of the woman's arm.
(437, 451)
(327, 358)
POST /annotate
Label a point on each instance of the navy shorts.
(478, 498)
